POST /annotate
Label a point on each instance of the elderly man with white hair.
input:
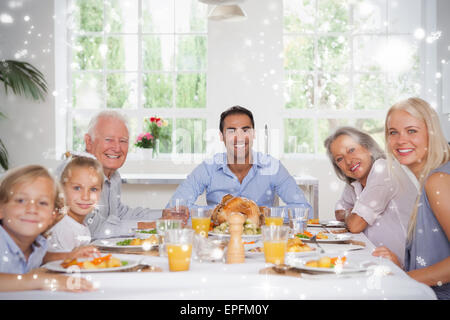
(107, 140)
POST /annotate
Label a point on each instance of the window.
(145, 58)
(346, 62)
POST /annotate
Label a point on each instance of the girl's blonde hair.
(27, 174)
(82, 162)
(438, 150)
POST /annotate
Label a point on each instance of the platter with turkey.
(252, 212)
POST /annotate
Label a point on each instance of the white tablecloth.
(220, 281)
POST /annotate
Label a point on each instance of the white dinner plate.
(332, 238)
(144, 233)
(328, 224)
(130, 263)
(347, 267)
(245, 237)
(111, 243)
(249, 253)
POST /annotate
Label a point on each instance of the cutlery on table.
(314, 239)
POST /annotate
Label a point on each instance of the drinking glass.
(201, 220)
(178, 209)
(298, 218)
(274, 216)
(275, 242)
(179, 248)
(162, 225)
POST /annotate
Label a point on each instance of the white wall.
(244, 68)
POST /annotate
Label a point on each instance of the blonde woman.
(414, 137)
(380, 199)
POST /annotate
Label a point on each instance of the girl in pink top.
(379, 196)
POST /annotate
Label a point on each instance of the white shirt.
(385, 203)
(68, 234)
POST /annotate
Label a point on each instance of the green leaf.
(23, 79)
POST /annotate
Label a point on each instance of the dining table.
(252, 279)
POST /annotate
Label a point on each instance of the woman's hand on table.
(384, 252)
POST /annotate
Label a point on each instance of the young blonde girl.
(415, 138)
(82, 181)
(29, 201)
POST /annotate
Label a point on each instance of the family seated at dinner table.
(409, 225)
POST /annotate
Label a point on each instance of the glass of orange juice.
(201, 220)
(275, 242)
(274, 216)
(179, 248)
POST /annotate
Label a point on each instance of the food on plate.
(309, 235)
(232, 204)
(107, 261)
(249, 228)
(326, 262)
(139, 242)
(297, 245)
(313, 221)
(151, 231)
(256, 249)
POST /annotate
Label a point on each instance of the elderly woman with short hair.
(380, 196)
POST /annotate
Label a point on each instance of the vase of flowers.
(145, 142)
(155, 127)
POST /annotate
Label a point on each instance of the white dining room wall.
(244, 67)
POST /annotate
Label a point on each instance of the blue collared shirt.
(12, 259)
(266, 178)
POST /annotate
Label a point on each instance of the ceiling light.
(228, 13)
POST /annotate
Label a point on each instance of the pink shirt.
(385, 203)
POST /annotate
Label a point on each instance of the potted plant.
(155, 127)
(24, 80)
(146, 142)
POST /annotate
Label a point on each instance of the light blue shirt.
(12, 259)
(266, 178)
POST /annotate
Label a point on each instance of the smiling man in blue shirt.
(240, 171)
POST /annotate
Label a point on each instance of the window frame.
(65, 113)
(427, 66)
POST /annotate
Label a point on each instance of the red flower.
(152, 119)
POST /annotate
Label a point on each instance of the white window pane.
(191, 53)
(190, 135)
(387, 54)
(190, 16)
(298, 53)
(333, 91)
(87, 90)
(404, 16)
(157, 90)
(333, 53)
(299, 15)
(122, 53)
(367, 52)
(121, 16)
(158, 52)
(370, 16)
(369, 91)
(158, 16)
(121, 90)
(79, 129)
(403, 86)
(88, 53)
(299, 135)
(400, 54)
(333, 15)
(86, 15)
(299, 91)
